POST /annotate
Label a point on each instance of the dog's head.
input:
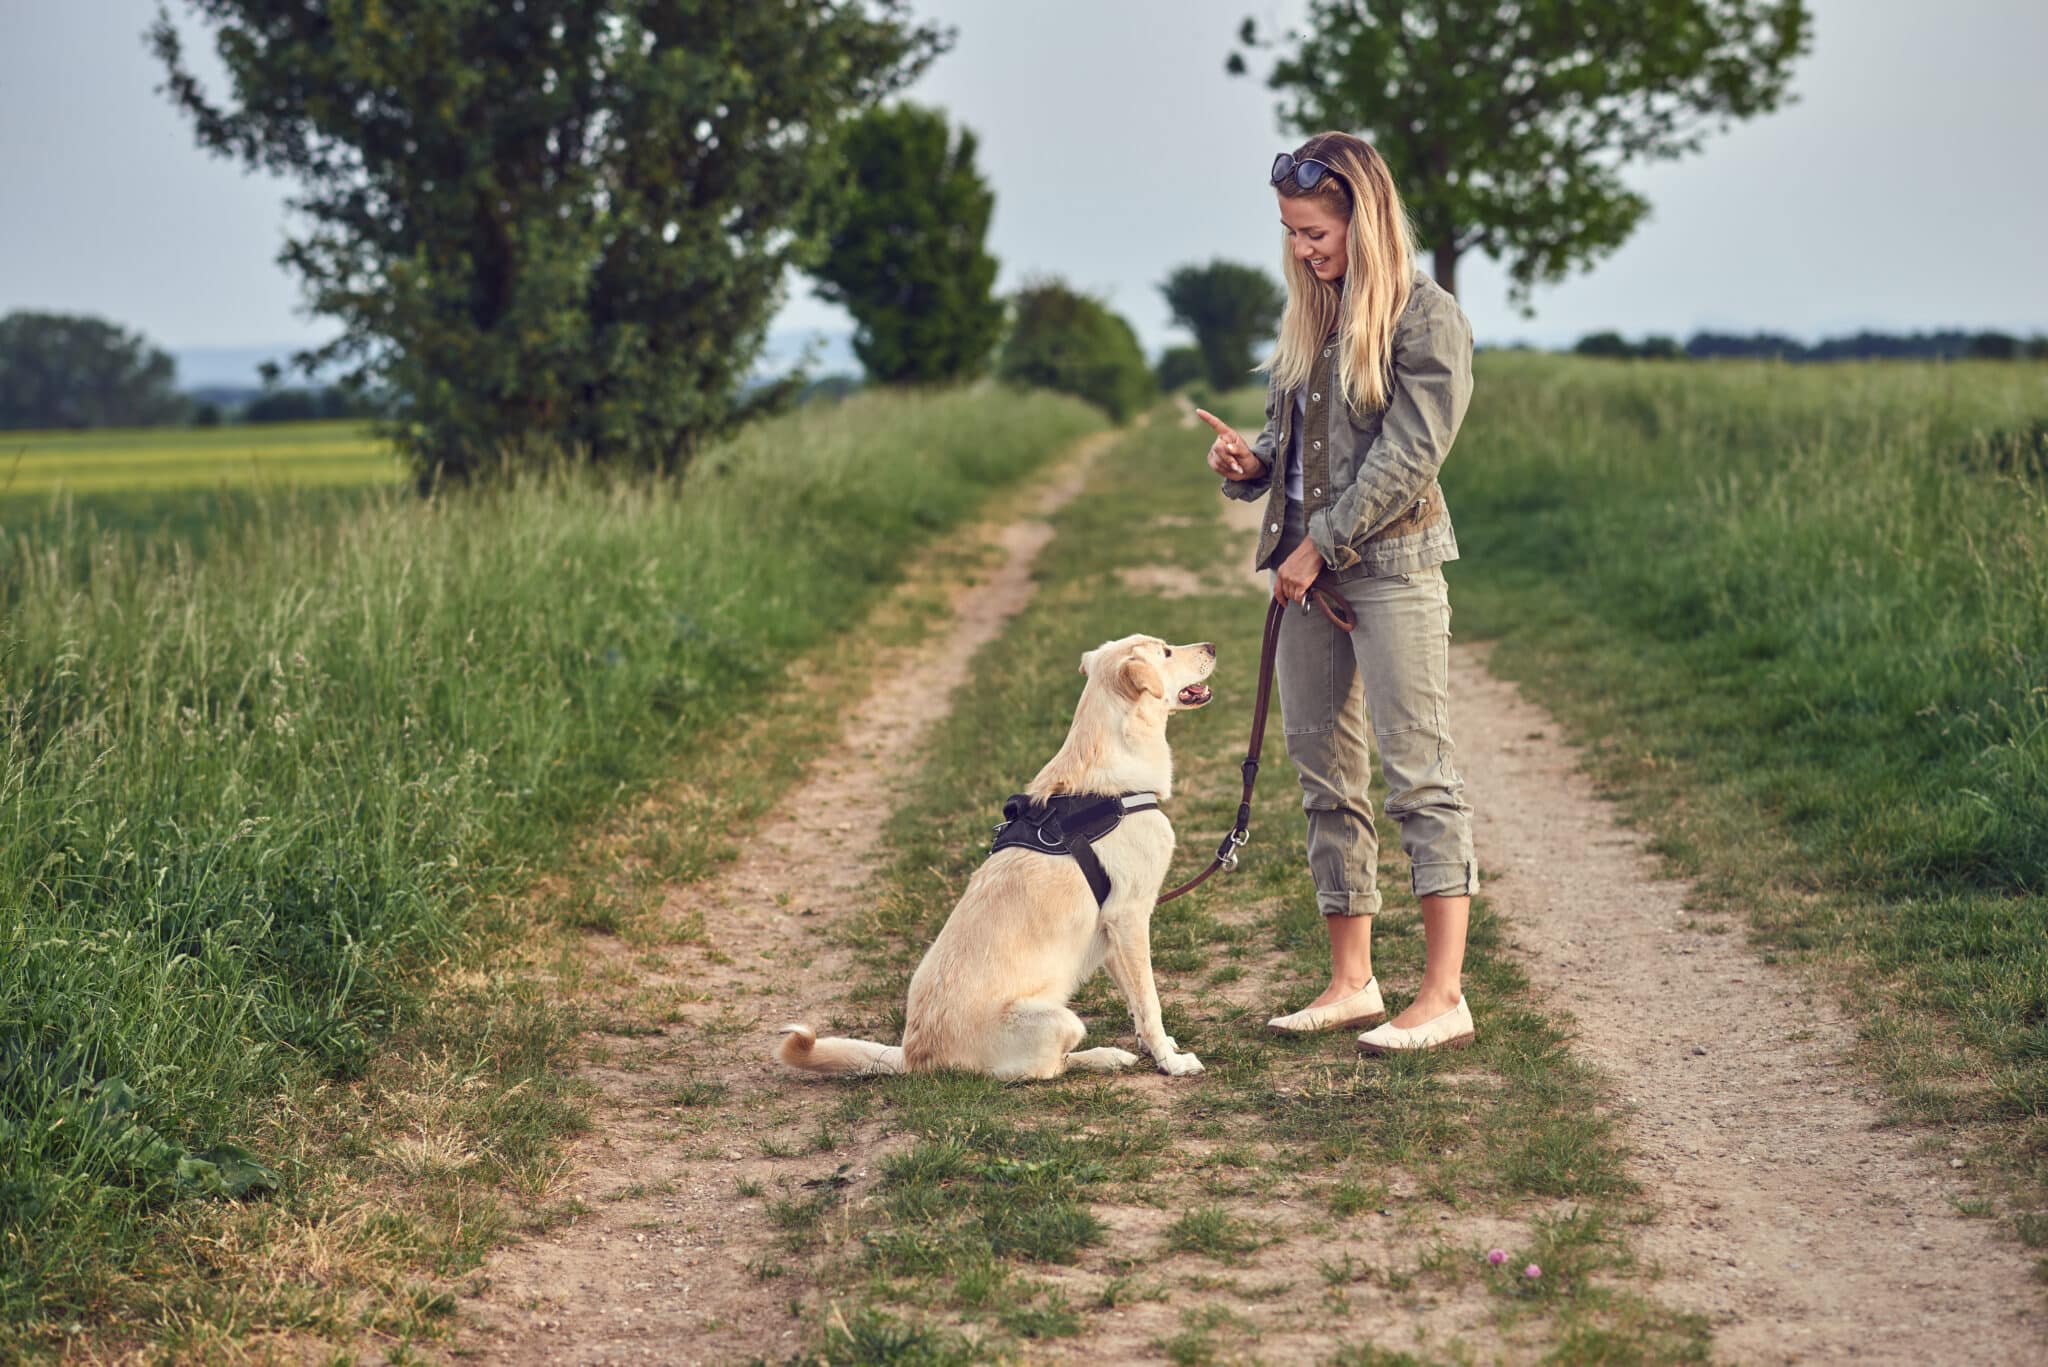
(1143, 668)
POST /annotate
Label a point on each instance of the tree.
(563, 222)
(1506, 125)
(1605, 344)
(1179, 366)
(1659, 347)
(1065, 340)
(1228, 307)
(278, 404)
(1996, 346)
(905, 255)
(67, 370)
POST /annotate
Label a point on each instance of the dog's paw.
(1167, 1047)
(1180, 1065)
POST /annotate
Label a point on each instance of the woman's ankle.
(1442, 994)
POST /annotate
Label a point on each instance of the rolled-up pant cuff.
(1449, 879)
(1348, 903)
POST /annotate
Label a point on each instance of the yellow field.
(120, 460)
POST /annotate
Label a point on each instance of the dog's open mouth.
(1194, 695)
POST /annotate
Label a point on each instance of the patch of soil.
(671, 1260)
(1166, 581)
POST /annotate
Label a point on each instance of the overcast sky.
(1904, 189)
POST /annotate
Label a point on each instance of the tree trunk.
(1447, 265)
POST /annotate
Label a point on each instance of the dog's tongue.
(1194, 695)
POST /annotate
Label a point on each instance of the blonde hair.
(1379, 249)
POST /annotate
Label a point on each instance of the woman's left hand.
(1298, 571)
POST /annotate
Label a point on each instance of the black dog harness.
(1068, 826)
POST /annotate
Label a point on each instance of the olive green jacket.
(1368, 484)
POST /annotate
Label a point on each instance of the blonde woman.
(1364, 394)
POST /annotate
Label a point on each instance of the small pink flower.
(1532, 1272)
(1496, 1256)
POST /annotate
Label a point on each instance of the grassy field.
(162, 459)
(251, 800)
(262, 805)
(1801, 615)
(61, 492)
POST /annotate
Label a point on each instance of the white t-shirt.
(1294, 443)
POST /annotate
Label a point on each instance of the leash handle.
(1339, 612)
(1334, 607)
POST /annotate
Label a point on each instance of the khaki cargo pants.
(1392, 671)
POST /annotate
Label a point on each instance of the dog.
(990, 995)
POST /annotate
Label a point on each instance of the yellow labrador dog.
(991, 994)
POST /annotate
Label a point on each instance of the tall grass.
(1805, 610)
(246, 795)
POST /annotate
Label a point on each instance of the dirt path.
(680, 1182)
(1803, 1231)
(1799, 1228)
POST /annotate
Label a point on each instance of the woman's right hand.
(1228, 454)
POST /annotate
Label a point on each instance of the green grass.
(1801, 616)
(162, 459)
(1212, 1230)
(255, 803)
(179, 491)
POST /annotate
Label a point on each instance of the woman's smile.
(1315, 235)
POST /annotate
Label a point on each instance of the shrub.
(1179, 366)
(1064, 340)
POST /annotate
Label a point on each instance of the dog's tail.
(801, 1048)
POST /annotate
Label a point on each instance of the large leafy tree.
(1228, 307)
(905, 254)
(562, 222)
(1506, 123)
(67, 370)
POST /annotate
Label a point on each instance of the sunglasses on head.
(1307, 172)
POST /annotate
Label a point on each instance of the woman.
(1365, 391)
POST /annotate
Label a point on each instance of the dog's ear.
(1136, 677)
(1087, 659)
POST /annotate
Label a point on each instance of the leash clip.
(1227, 856)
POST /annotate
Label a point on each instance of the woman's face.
(1315, 234)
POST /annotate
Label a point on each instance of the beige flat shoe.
(1362, 1007)
(1452, 1030)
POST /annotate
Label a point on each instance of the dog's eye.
(1169, 651)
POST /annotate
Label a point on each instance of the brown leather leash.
(1340, 615)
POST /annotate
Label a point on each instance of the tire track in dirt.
(1803, 1230)
(666, 1264)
